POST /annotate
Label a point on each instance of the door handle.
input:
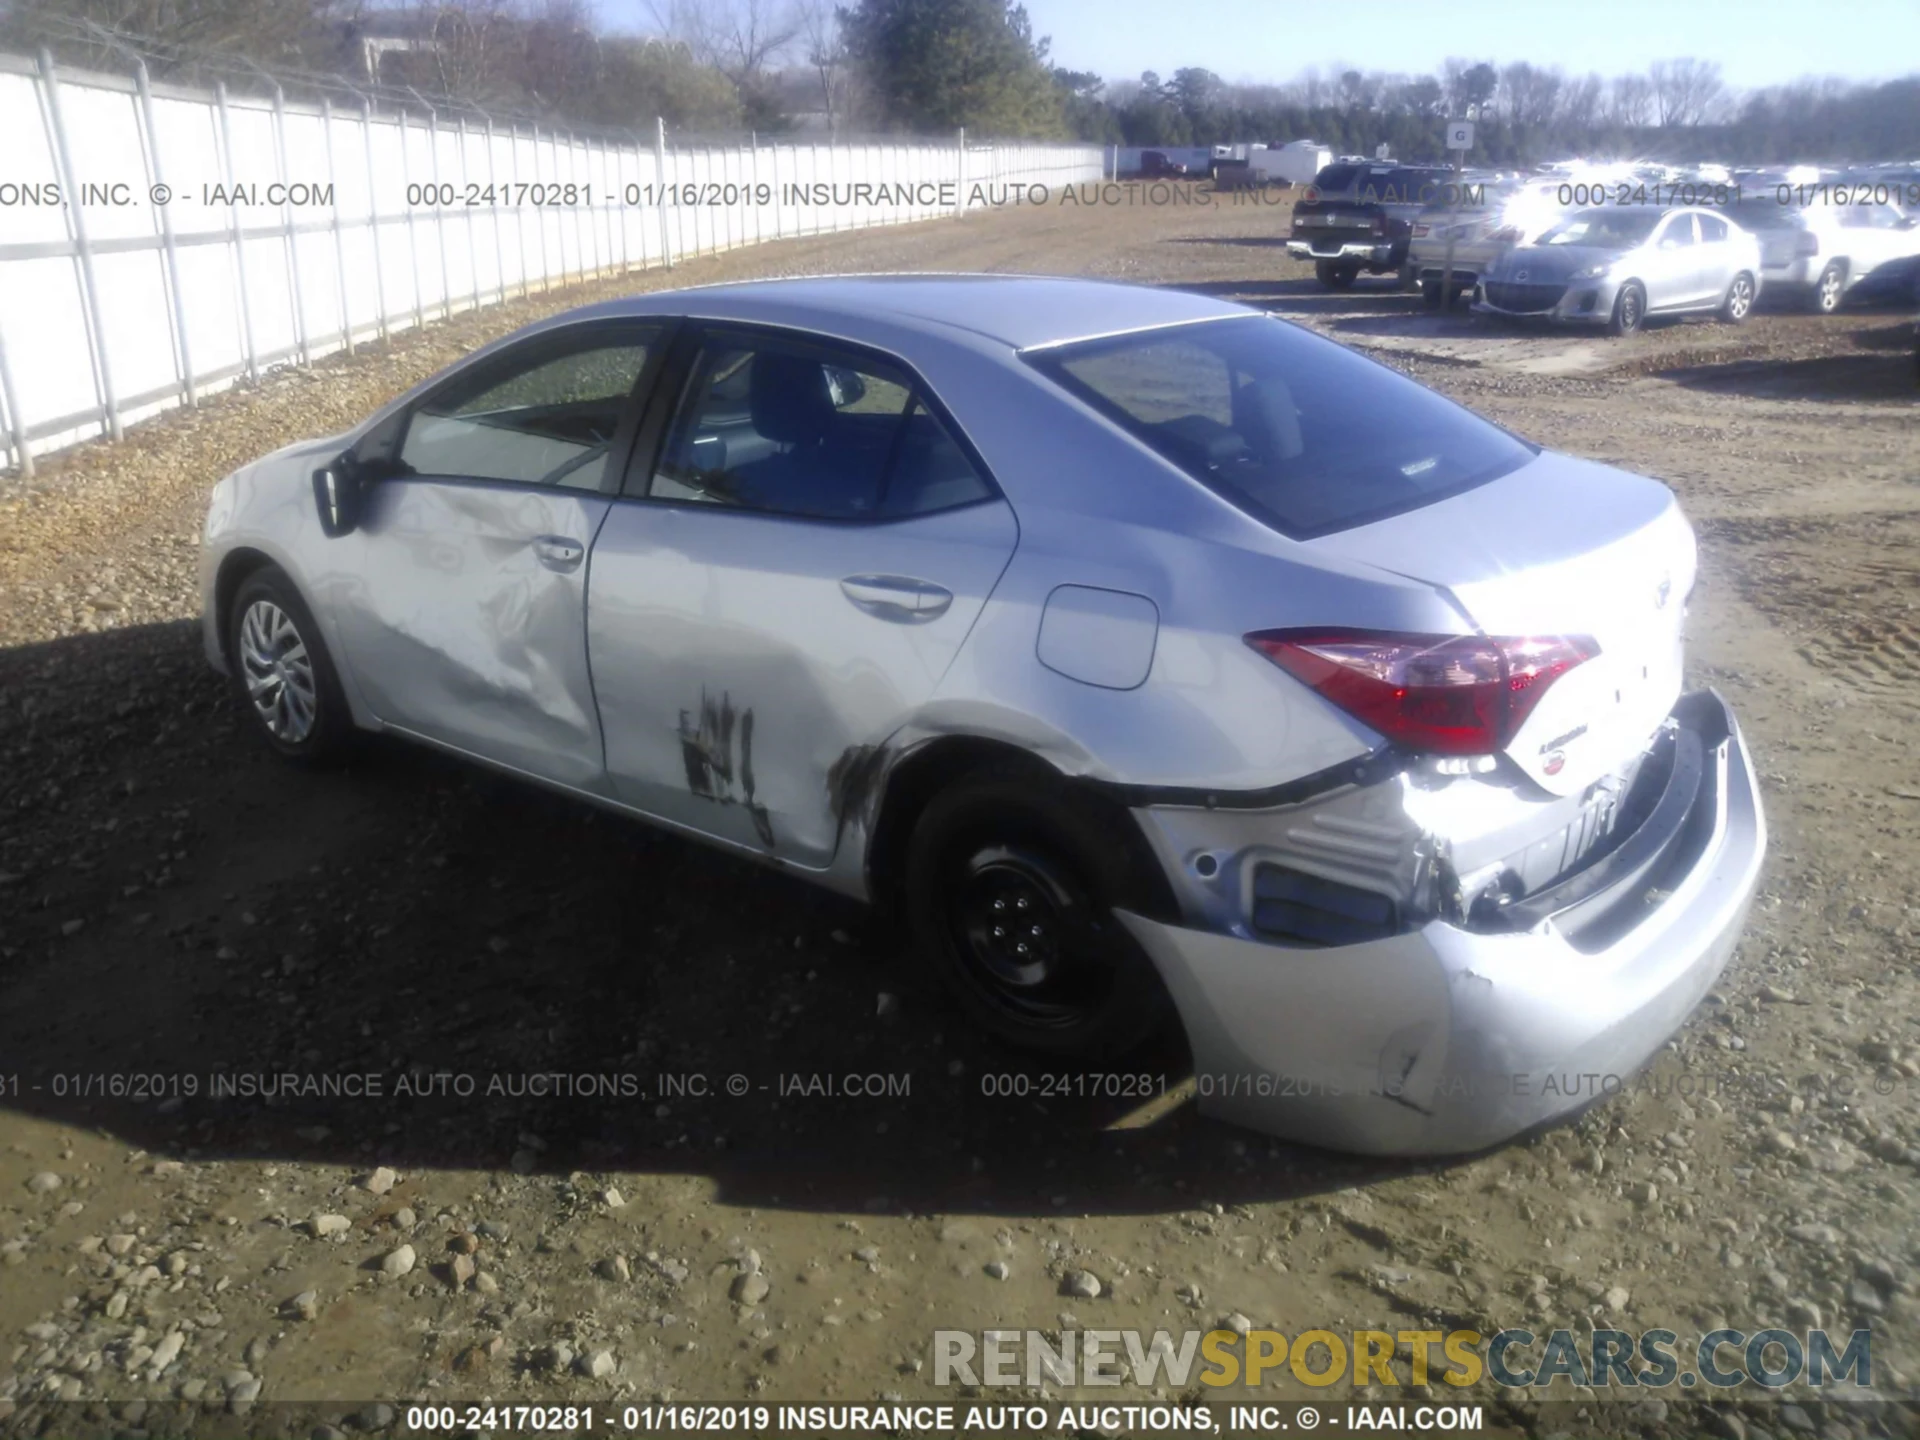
(557, 552)
(898, 598)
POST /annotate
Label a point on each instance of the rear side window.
(802, 430)
(1712, 229)
(1300, 432)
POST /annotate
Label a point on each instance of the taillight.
(1420, 232)
(1436, 694)
(1379, 226)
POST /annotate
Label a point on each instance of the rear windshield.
(1765, 214)
(1302, 433)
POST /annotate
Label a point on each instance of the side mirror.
(336, 494)
(848, 387)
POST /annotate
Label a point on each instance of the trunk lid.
(1559, 547)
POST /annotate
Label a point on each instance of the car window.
(1713, 229)
(795, 429)
(1302, 433)
(1602, 229)
(544, 413)
(1678, 233)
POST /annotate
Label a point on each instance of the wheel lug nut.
(999, 932)
(1020, 949)
(1022, 902)
(1033, 930)
(999, 904)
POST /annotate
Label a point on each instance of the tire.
(1407, 276)
(1012, 841)
(1829, 290)
(282, 677)
(1430, 294)
(1738, 304)
(1629, 309)
(1335, 274)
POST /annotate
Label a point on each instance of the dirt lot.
(174, 904)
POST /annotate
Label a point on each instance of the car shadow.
(209, 954)
(1888, 375)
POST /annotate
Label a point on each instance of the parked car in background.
(1483, 219)
(1158, 660)
(1823, 253)
(1154, 165)
(1618, 265)
(1359, 217)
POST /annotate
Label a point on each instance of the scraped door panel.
(467, 621)
(742, 660)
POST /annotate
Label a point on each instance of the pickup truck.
(1359, 216)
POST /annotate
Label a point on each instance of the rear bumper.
(1365, 251)
(1445, 1040)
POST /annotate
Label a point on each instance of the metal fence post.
(16, 422)
(960, 191)
(660, 170)
(373, 222)
(286, 223)
(540, 220)
(439, 210)
(339, 246)
(77, 224)
(493, 196)
(233, 229)
(466, 185)
(170, 257)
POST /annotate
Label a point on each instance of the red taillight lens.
(1438, 694)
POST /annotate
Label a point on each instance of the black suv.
(1358, 215)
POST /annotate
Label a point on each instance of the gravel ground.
(174, 904)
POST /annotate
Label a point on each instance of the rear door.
(793, 565)
(466, 624)
(1719, 257)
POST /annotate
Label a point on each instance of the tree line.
(933, 66)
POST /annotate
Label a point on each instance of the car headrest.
(789, 399)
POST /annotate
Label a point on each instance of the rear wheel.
(1335, 274)
(1739, 302)
(1629, 309)
(282, 677)
(1011, 885)
(1829, 289)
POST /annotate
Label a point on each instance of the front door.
(784, 587)
(466, 619)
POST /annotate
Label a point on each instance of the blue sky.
(1756, 42)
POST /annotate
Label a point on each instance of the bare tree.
(1685, 91)
(1580, 101)
(826, 52)
(1630, 101)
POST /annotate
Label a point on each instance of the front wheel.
(1011, 886)
(1739, 302)
(1629, 309)
(283, 679)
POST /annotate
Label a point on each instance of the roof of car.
(1021, 311)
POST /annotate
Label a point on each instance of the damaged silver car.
(1159, 660)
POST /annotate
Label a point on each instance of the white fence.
(157, 243)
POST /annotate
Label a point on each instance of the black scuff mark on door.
(851, 779)
(718, 755)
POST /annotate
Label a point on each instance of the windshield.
(1300, 432)
(1603, 229)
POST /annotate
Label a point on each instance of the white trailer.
(1295, 163)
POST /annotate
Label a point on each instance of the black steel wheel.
(1011, 886)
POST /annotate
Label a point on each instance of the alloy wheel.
(278, 670)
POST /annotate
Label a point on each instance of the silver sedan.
(1161, 661)
(1618, 265)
